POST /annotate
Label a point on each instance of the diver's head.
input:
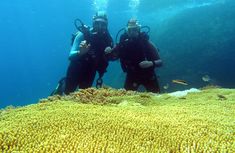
(100, 22)
(133, 28)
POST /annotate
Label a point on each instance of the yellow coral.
(198, 123)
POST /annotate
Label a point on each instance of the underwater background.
(196, 38)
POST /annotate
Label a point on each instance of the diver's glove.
(108, 50)
(146, 64)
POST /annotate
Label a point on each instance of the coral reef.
(102, 96)
(109, 120)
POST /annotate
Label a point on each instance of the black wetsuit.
(81, 71)
(131, 52)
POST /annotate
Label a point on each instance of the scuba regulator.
(80, 26)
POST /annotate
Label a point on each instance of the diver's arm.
(112, 54)
(147, 64)
(75, 49)
(157, 62)
(153, 58)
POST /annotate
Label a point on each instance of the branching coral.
(198, 123)
(94, 96)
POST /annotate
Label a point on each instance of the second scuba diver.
(139, 58)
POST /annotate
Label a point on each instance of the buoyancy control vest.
(96, 53)
(132, 51)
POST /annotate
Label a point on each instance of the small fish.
(166, 86)
(206, 78)
(180, 82)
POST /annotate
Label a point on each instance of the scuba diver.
(87, 56)
(138, 57)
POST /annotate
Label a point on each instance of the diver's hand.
(108, 50)
(145, 64)
(84, 47)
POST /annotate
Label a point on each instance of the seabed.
(110, 121)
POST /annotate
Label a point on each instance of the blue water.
(196, 38)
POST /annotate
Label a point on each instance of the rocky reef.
(110, 120)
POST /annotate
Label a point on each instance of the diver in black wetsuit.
(87, 57)
(138, 57)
